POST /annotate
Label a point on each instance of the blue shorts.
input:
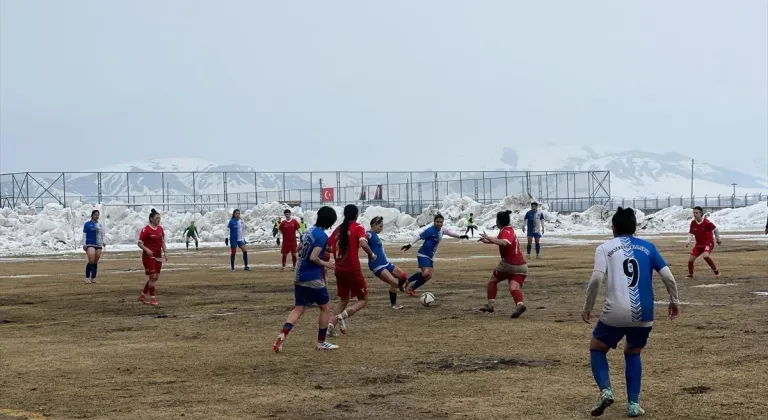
(533, 235)
(424, 262)
(637, 337)
(237, 244)
(379, 268)
(306, 296)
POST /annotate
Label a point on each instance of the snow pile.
(25, 231)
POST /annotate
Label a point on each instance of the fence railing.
(410, 192)
(708, 203)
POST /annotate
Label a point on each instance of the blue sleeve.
(85, 227)
(426, 233)
(320, 240)
(527, 215)
(229, 225)
(657, 261)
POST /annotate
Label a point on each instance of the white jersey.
(628, 263)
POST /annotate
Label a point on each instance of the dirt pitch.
(70, 350)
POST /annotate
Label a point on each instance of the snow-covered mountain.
(634, 173)
(637, 173)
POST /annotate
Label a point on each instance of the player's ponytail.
(503, 218)
(350, 215)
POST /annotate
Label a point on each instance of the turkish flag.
(326, 194)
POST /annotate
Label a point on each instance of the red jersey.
(152, 238)
(351, 261)
(510, 254)
(703, 232)
(289, 228)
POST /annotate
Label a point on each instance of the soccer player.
(288, 229)
(345, 242)
(381, 267)
(426, 255)
(93, 243)
(534, 220)
(512, 266)
(471, 225)
(702, 229)
(191, 232)
(628, 263)
(308, 285)
(302, 228)
(236, 227)
(152, 243)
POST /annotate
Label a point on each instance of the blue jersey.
(432, 237)
(93, 233)
(236, 230)
(628, 263)
(534, 220)
(377, 247)
(307, 272)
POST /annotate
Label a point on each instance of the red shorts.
(349, 284)
(288, 247)
(700, 249)
(151, 265)
(517, 278)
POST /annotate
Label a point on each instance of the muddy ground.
(70, 350)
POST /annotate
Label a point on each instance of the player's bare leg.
(293, 317)
(388, 278)
(337, 310)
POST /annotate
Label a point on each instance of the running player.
(288, 229)
(426, 255)
(345, 242)
(308, 286)
(93, 243)
(702, 229)
(534, 221)
(471, 225)
(191, 233)
(628, 263)
(152, 243)
(512, 266)
(236, 227)
(381, 267)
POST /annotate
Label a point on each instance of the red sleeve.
(360, 232)
(710, 226)
(143, 235)
(690, 228)
(507, 235)
(296, 224)
(280, 227)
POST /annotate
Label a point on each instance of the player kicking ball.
(512, 266)
(628, 263)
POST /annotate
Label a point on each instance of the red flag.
(326, 195)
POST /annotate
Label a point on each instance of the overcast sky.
(404, 84)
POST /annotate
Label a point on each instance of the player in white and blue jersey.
(533, 226)
(381, 266)
(93, 244)
(628, 264)
(426, 254)
(236, 239)
(309, 287)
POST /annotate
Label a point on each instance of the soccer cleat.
(143, 299)
(634, 410)
(397, 307)
(94, 281)
(278, 346)
(326, 346)
(342, 324)
(401, 284)
(231, 270)
(527, 256)
(87, 281)
(689, 277)
(332, 331)
(153, 301)
(603, 401)
(717, 274)
(248, 268)
(487, 308)
(538, 256)
(518, 311)
(411, 292)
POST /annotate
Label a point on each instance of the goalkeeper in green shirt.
(191, 232)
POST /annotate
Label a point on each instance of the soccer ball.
(427, 299)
